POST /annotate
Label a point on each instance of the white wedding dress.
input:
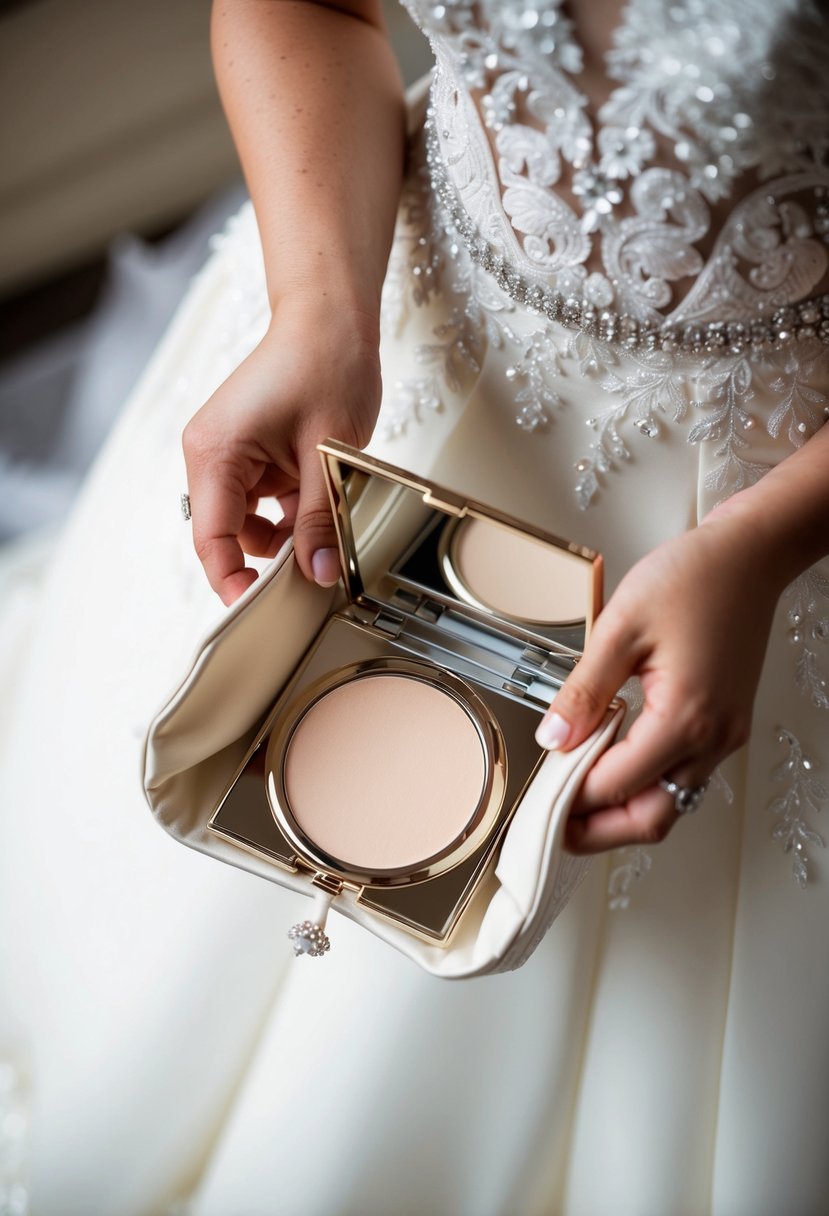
(603, 318)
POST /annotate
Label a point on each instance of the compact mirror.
(401, 537)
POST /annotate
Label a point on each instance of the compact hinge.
(538, 674)
(391, 623)
(519, 681)
(534, 658)
(543, 663)
(528, 671)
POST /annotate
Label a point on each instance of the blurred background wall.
(117, 167)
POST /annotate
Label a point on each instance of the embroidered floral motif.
(651, 384)
(801, 408)
(630, 864)
(808, 620)
(683, 92)
(634, 864)
(644, 386)
(413, 401)
(625, 150)
(804, 793)
(728, 387)
(533, 395)
(719, 783)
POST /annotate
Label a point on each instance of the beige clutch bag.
(371, 746)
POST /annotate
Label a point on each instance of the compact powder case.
(386, 717)
(391, 764)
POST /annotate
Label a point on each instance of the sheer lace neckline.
(712, 104)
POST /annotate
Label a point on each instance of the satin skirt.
(664, 1053)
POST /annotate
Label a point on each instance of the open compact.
(389, 768)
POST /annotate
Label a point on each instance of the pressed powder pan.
(387, 770)
(384, 772)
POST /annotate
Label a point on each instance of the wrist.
(340, 320)
(785, 515)
(765, 535)
(327, 285)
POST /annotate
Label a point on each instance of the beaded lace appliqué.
(724, 90)
(803, 794)
(632, 864)
(808, 620)
(675, 85)
(644, 388)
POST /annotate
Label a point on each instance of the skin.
(692, 620)
(324, 166)
(314, 100)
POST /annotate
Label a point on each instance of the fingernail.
(326, 567)
(553, 732)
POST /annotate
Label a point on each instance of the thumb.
(315, 540)
(581, 702)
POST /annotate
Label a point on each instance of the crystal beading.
(806, 319)
(308, 938)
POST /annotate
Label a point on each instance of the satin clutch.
(371, 746)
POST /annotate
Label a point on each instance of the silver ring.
(184, 501)
(686, 798)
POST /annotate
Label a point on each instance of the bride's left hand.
(692, 621)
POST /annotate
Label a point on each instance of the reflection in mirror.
(401, 541)
(501, 572)
(384, 516)
(513, 574)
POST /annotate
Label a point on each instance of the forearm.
(314, 101)
(785, 515)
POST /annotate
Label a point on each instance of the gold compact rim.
(479, 828)
(447, 556)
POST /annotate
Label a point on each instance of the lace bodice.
(637, 241)
(695, 193)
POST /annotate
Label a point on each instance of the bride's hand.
(692, 620)
(315, 375)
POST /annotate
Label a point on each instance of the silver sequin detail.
(806, 319)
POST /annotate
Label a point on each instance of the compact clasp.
(309, 936)
(325, 882)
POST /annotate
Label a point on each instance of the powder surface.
(519, 576)
(384, 771)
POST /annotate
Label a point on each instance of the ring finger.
(645, 818)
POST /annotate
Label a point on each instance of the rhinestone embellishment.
(306, 937)
(807, 319)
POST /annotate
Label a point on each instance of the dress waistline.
(806, 319)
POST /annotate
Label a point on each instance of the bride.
(589, 272)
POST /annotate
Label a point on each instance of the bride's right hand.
(315, 375)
